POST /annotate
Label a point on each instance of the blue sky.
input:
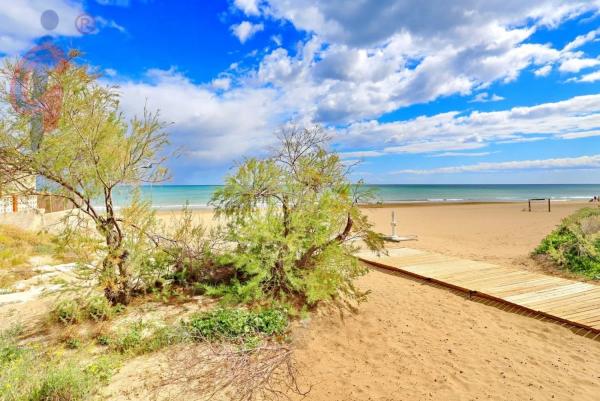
(479, 91)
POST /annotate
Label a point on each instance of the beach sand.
(502, 233)
(414, 341)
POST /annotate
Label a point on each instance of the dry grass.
(18, 247)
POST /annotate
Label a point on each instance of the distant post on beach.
(539, 199)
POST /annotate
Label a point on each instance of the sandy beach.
(503, 233)
(413, 341)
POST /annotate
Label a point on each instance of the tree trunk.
(116, 286)
(114, 266)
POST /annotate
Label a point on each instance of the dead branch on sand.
(233, 372)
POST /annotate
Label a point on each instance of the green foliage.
(292, 218)
(73, 343)
(9, 346)
(230, 324)
(575, 244)
(67, 311)
(103, 368)
(98, 308)
(35, 373)
(141, 338)
(128, 339)
(89, 152)
(65, 383)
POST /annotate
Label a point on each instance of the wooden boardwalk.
(564, 300)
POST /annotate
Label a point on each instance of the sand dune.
(412, 341)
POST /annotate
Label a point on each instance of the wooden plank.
(574, 307)
(534, 283)
(471, 274)
(572, 298)
(565, 289)
(522, 288)
(583, 314)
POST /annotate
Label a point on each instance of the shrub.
(575, 243)
(73, 343)
(103, 368)
(98, 308)
(67, 311)
(229, 324)
(293, 218)
(128, 339)
(140, 338)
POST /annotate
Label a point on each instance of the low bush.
(65, 383)
(67, 311)
(127, 339)
(141, 338)
(229, 324)
(98, 308)
(575, 243)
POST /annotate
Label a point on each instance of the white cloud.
(568, 119)
(591, 77)
(20, 22)
(360, 154)
(363, 59)
(581, 40)
(577, 64)
(582, 162)
(368, 58)
(372, 22)
(485, 97)
(249, 7)
(222, 83)
(213, 128)
(544, 71)
(462, 154)
(277, 39)
(245, 30)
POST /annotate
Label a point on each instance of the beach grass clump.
(17, 246)
(98, 308)
(67, 311)
(575, 244)
(138, 338)
(236, 323)
(37, 373)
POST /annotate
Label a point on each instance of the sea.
(198, 196)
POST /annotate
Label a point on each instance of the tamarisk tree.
(91, 151)
(294, 219)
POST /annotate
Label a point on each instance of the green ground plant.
(67, 311)
(31, 372)
(575, 244)
(235, 323)
(98, 308)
